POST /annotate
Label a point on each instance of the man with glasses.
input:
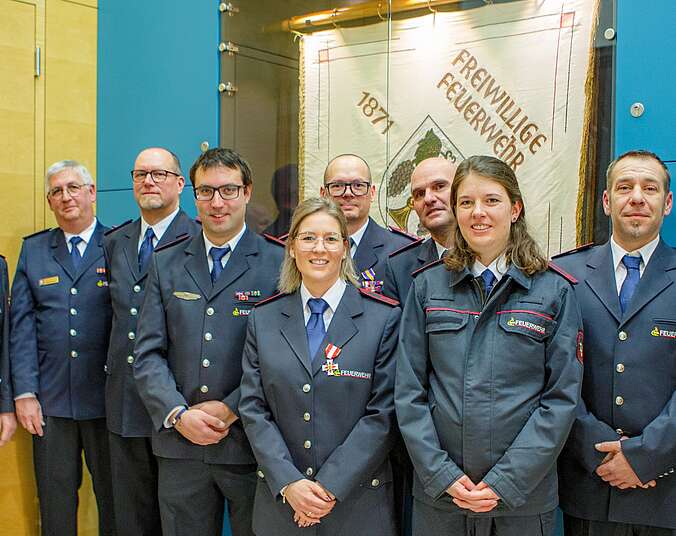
(158, 183)
(188, 354)
(60, 325)
(347, 181)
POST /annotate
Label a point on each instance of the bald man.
(347, 181)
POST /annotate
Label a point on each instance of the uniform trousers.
(574, 526)
(57, 457)
(134, 468)
(192, 496)
(428, 520)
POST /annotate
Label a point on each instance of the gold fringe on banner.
(301, 119)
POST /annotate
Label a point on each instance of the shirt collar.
(498, 267)
(359, 234)
(332, 296)
(646, 251)
(86, 235)
(440, 249)
(232, 242)
(160, 227)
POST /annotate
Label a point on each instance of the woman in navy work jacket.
(317, 393)
(489, 369)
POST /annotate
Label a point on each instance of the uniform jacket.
(632, 357)
(373, 249)
(126, 415)
(60, 325)
(6, 397)
(401, 265)
(191, 335)
(490, 393)
(304, 423)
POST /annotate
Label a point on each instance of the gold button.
(133, 311)
(260, 474)
(73, 291)
(73, 311)
(137, 289)
(375, 483)
(306, 388)
(306, 417)
(73, 353)
(73, 333)
(307, 444)
(619, 400)
(309, 471)
(207, 336)
(622, 335)
(620, 367)
(130, 359)
(210, 311)
(131, 335)
(204, 389)
(205, 363)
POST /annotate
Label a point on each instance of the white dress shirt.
(159, 229)
(232, 243)
(86, 236)
(331, 296)
(357, 236)
(618, 253)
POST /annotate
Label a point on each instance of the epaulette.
(379, 297)
(408, 246)
(574, 250)
(38, 233)
(426, 266)
(270, 299)
(116, 227)
(178, 240)
(397, 230)
(556, 268)
(274, 239)
(283, 237)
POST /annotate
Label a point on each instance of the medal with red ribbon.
(331, 352)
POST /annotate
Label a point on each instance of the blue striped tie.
(489, 281)
(146, 250)
(633, 265)
(75, 255)
(216, 255)
(315, 325)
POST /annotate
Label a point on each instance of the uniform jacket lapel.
(293, 329)
(131, 238)
(197, 265)
(93, 252)
(364, 257)
(427, 252)
(602, 279)
(61, 254)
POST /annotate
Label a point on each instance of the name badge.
(45, 281)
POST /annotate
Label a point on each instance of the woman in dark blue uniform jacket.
(489, 369)
(317, 390)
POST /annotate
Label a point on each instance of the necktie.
(146, 250)
(216, 255)
(631, 281)
(489, 281)
(315, 325)
(353, 247)
(74, 251)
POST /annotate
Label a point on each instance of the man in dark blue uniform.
(347, 180)
(158, 182)
(617, 471)
(7, 418)
(60, 325)
(431, 193)
(188, 354)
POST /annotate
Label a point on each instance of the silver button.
(73, 333)
(260, 473)
(130, 359)
(205, 363)
(105, 368)
(207, 336)
(307, 444)
(620, 368)
(309, 471)
(671, 470)
(622, 335)
(619, 431)
(137, 289)
(619, 400)
(73, 311)
(306, 388)
(306, 417)
(210, 311)
(131, 335)
(133, 311)
(73, 353)
(204, 389)
(73, 291)
(375, 483)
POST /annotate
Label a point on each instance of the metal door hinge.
(37, 62)
(229, 47)
(227, 87)
(228, 7)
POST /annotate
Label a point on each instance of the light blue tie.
(489, 281)
(216, 255)
(633, 265)
(315, 325)
(75, 255)
(146, 250)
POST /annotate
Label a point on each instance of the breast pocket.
(446, 327)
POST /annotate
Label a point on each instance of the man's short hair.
(638, 153)
(221, 157)
(174, 157)
(58, 167)
(326, 170)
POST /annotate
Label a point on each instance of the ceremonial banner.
(509, 80)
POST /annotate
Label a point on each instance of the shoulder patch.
(283, 237)
(583, 247)
(426, 266)
(37, 233)
(270, 299)
(397, 230)
(408, 246)
(379, 297)
(274, 239)
(556, 268)
(117, 227)
(180, 239)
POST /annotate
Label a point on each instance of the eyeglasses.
(158, 175)
(73, 190)
(227, 191)
(308, 241)
(338, 189)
